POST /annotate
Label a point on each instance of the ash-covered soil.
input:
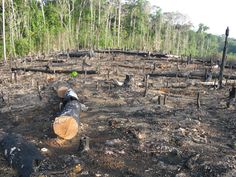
(130, 135)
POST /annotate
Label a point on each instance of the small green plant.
(73, 74)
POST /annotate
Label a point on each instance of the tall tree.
(3, 31)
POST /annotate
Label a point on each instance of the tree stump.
(232, 96)
(128, 82)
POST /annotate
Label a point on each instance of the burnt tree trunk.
(223, 58)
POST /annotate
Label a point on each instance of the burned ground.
(130, 135)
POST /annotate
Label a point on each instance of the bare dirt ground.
(130, 135)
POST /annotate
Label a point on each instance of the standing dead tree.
(223, 58)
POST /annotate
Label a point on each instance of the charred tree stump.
(232, 96)
(146, 85)
(14, 77)
(20, 154)
(232, 93)
(84, 144)
(66, 125)
(2, 97)
(223, 58)
(208, 75)
(154, 68)
(165, 98)
(108, 74)
(198, 100)
(159, 100)
(128, 82)
(189, 59)
(39, 91)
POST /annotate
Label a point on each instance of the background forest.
(57, 25)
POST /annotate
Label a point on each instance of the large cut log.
(54, 71)
(66, 124)
(190, 75)
(20, 154)
(79, 54)
(138, 53)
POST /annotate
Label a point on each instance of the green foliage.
(59, 25)
(73, 74)
(22, 47)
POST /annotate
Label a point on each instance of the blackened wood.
(39, 91)
(198, 101)
(232, 96)
(20, 154)
(232, 93)
(128, 82)
(2, 97)
(54, 71)
(159, 100)
(208, 75)
(189, 59)
(138, 53)
(154, 68)
(132, 66)
(223, 58)
(190, 75)
(71, 108)
(84, 144)
(66, 124)
(79, 54)
(165, 98)
(146, 85)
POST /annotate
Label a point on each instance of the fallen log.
(66, 124)
(229, 64)
(44, 60)
(138, 53)
(190, 75)
(20, 154)
(50, 71)
(79, 54)
(132, 66)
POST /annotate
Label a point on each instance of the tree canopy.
(34, 26)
